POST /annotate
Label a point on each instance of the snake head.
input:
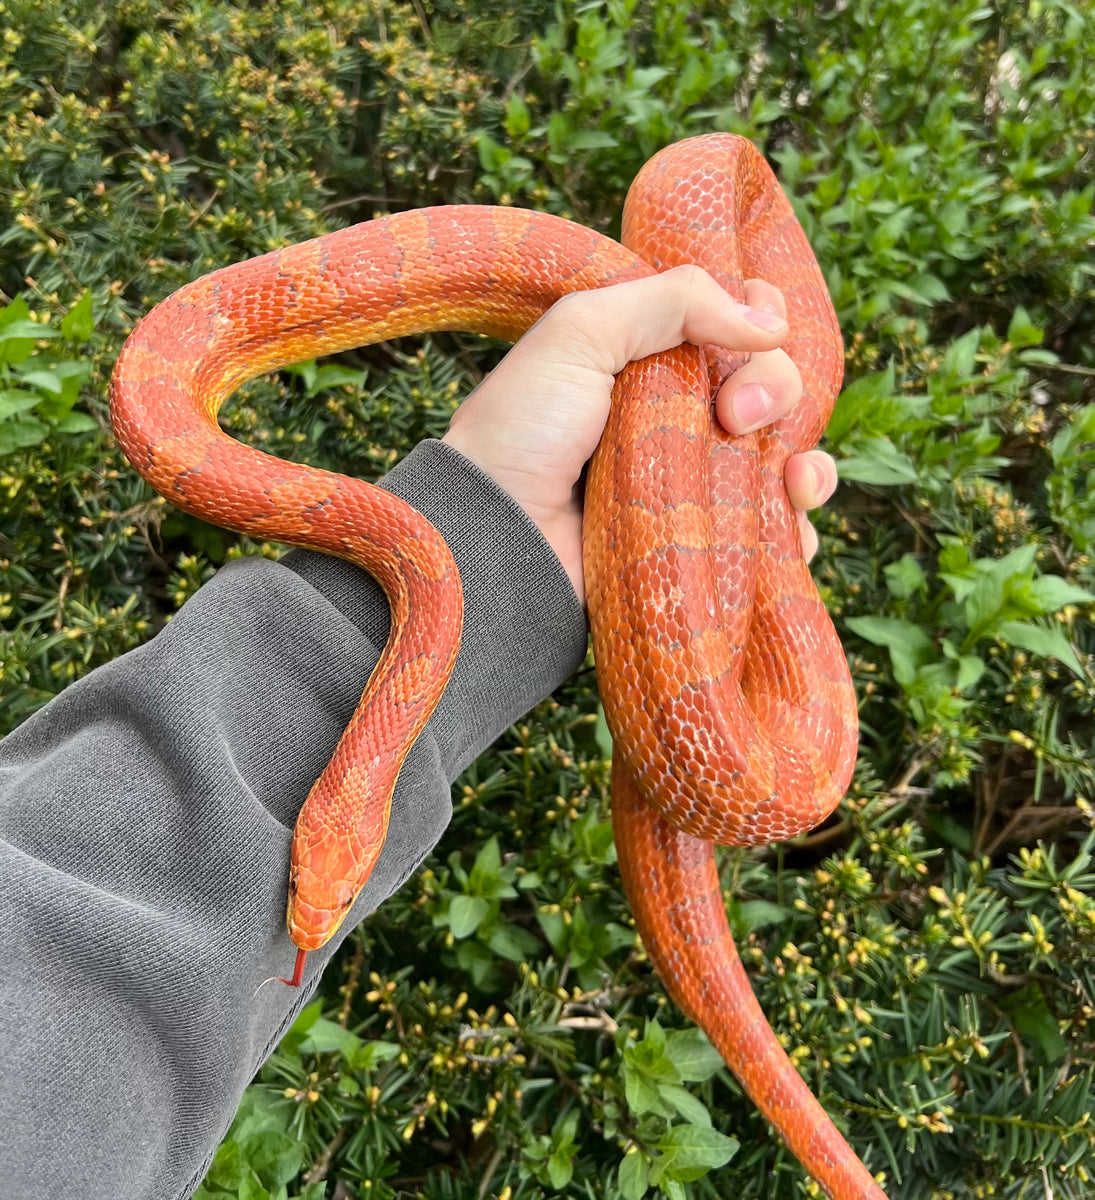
(329, 863)
(316, 909)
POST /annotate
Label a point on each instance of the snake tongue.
(298, 970)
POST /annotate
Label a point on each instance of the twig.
(62, 591)
(1069, 368)
(990, 801)
(420, 13)
(372, 197)
(488, 1174)
(323, 1164)
(1032, 814)
(353, 978)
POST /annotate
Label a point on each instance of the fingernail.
(821, 484)
(762, 319)
(752, 406)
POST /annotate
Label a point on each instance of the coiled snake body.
(723, 681)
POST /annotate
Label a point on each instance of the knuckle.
(764, 293)
(573, 309)
(576, 325)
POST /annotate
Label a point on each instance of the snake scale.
(724, 684)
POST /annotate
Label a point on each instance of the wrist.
(560, 526)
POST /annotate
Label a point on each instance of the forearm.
(145, 822)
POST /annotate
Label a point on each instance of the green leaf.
(986, 605)
(560, 1168)
(653, 1038)
(691, 1052)
(954, 558)
(749, 915)
(13, 401)
(688, 1152)
(306, 370)
(601, 732)
(905, 577)
(591, 139)
(46, 381)
(1069, 441)
(78, 323)
(326, 1037)
(466, 914)
(262, 1109)
(921, 289)
(77, 422)
(857, 402)
(252, 1189)
(596, 840)
(22, 432)
(372, 1054)
(18, 333)
(554, 927)
(646, 1069)
(642, 1095)
(909, 646)
(485, 877)
(970, 669)
(1039, 357)
(961, 354)
(929, 288)
(518, 121)
(645, 78)
(634, 1175)
(228, 1169)
(274, 1157)
(877, 462)
(26, 328)
(306, 1018)
(687, 1106)
(1021, 331)
(1047, 642)
(1051, 593)
(513, 943)
(331, 375)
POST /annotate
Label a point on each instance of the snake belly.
(724, 684)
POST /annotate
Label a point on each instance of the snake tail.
(673, 887)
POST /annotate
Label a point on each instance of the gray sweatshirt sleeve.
(145, 821)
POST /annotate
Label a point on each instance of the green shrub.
(927, 956)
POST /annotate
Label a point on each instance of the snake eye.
(292, 885)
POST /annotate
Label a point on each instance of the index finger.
(612, 326)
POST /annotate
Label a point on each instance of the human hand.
(533, 423)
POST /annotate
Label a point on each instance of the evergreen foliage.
(495, 1030)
